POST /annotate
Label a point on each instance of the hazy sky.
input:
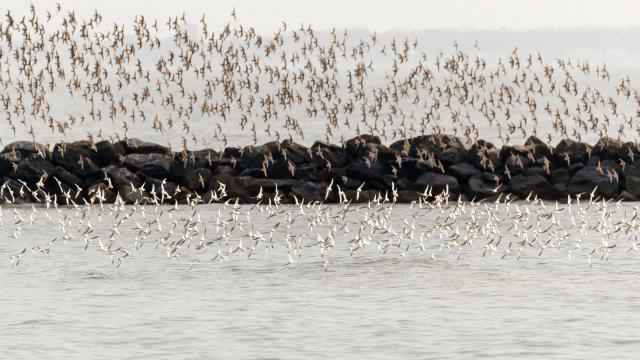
(372, 14)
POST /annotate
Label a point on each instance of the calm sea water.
(73, 303)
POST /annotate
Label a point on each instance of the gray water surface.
(73, 303)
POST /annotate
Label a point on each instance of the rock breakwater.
(360, 170)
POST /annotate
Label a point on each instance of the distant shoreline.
(362, 170)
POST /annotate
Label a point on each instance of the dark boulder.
(152, 164)
(25, 148)
(627, 196)
(535, 170)
(437, 182)
(355, 146)
(191, 160)
(34, 167)
(8, 161)
(632, 179)
(365, 169)
(137, 146)
(197, 179)
(311, 191)
(109, 153)
(66, 176)
(323, 153)
(253, 172)
(224, 169)
(463, 171)
(560, 176)
(588, 178)
(575, 152)
(517, 162)
(479, 188)
(79, 157)
(10, 191)
(252, 185)
(407, 196)
(421, 166)
(224, 180)
(232, 152)
(574, 168)
(538, 147)
(507, 151)
(100, 192)
(296, 153)
(494, 178)
(432, 143)
(485, 156)
(453, 155)
(307, 172)
(131, 195)
(281, 169)
(121, 176)
(538, 185)
(255, 156)
(610, 149)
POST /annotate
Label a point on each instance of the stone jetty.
(361, 170)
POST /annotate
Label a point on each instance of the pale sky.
(371, 14)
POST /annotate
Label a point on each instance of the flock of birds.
(592, 228)
(211, 88)
(65, 78)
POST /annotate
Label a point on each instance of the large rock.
(121, 176)
(66, 176)
(535, 170)
(80, 157)
(560, 176)
(479, 188)
(632, 185)
(190, 160)
(153, 164)
(485, 156)
(632, 179)
(434, 143)
(100, 192)
(365, 169)
(538, 147)
(534, 184)
(323, 153)
(31, 169)
(585, 180)
(10, 192)
(137, 146)
(8, 161)
(610, 149)
(507, 151)
(355, 146)
(110, 153)
(197, 179)
(25, 148)
(307, 172)
(296, 153)
(255, 156)
(463, 171)
(131, 195)
(311, 191)
(252, 185)
(453, 155)
(378, 151)
(172, 191)
(278, 169)
(437, 182)
(517, 163)
(576, 152)
(229, 182)
(421, 166)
